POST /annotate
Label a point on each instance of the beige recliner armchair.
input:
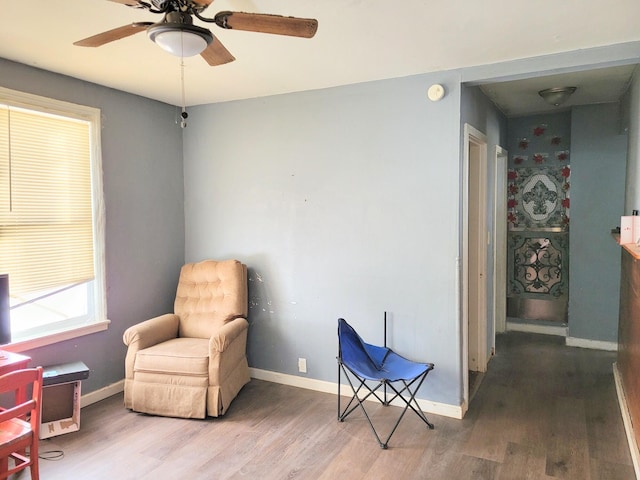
(192, 363)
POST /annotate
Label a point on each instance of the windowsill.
(56, 337)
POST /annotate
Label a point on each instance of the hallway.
(545, 410)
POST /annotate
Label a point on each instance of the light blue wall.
(143, 191)
(344, 203)
(598, 164)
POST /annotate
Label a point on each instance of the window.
(51, 218)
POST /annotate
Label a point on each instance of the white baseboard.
(97, 395)
(444, 409)
(560, 331)
(594, 344)
(626, 419)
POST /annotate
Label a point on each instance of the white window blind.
(51, 219)
(46, 228)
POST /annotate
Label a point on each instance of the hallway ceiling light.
(557, 95)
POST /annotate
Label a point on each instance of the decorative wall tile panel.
(538, 198)
(538, 267)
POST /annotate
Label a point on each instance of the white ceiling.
(357, 41)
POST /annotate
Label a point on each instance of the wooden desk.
(10, 361)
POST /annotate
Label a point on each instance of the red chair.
(20, 424)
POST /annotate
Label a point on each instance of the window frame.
(92, 115)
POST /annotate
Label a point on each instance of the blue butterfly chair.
(381, 367)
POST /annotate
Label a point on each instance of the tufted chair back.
(210, 294)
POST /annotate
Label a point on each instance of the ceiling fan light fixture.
(557, 95)
(181, 40)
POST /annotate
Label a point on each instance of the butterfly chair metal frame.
(372, 369)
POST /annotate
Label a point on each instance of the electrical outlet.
(302, 365)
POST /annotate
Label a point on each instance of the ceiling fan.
(177, 34)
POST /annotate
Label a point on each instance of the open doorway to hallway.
(564, 176)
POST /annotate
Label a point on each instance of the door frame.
(478, 140)
(500, 163)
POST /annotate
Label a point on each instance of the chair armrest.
(148, 333)
(152, 331)
(227, 351)
(221, 340)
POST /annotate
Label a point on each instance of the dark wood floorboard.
(543, 411)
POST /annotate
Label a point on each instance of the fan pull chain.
(184, 114)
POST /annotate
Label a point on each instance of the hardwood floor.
(543, 411)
